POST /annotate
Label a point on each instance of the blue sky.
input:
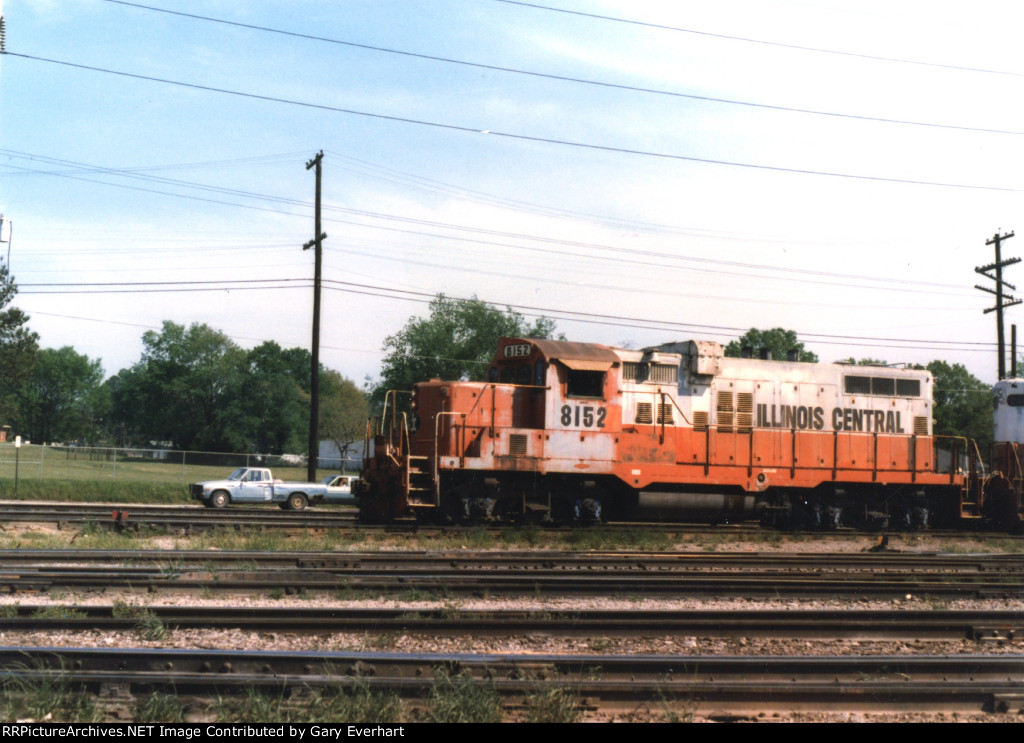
(822, 166)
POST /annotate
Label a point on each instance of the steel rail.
(194, 517)
(714, 684)
(888, 562)
(984, 626)
(464, 582)
(138, 516)
(747, 574)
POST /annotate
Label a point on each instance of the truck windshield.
(237, 474)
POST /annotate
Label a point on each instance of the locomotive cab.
(564, 412)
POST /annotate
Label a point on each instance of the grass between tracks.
(452, 698)
(591, 539)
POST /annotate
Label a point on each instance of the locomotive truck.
(581, 432)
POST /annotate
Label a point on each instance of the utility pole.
(1003, 300)
(314, 379)
(10, 238)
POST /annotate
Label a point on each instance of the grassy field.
(43, 473)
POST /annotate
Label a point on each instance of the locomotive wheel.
(296, 502)
(590, 510)
(219, 499)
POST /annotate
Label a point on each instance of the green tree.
(183, 390)
(18, 347)
(777, 340)
(862, 362)
(963, 404)
(63, 397)
(343, 412)
(274, 398)
(456, 341)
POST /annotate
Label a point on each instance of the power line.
(526, 137)
(571, 79)
(114, 287)
(404, 179)
(334, 348)
(748, 40)
(932, 287)
(159, 327)
(654, 323)
(154, 287)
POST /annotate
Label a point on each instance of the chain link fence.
(60, 462)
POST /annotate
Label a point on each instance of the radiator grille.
(643, 412)
(664, 373)
(665, 413)
(517, 444)
(726, 412)
(745, 411)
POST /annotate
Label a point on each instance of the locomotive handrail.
(521, 386)
(660, 416)
(1017, 478)
(460, 444)
(493, 385)
(675, 404)
(871, 466)
(403, 448)
(394, 407)
(406, 446)
(368, 433)
(494, 398)
(979, 460)
(384, 412)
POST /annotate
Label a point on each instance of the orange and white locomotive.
(578, 431)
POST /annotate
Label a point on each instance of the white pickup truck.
(339, 489)
(257, 485)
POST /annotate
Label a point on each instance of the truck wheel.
(296, 501)
(219, 499)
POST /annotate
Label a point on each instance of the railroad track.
(519, 573)
(191, 518)
(184, 518)
(1010, 564)
(980, 626)
(719, 687)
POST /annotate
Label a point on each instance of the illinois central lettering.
(805, 417)
(871, 421)
(802, 417)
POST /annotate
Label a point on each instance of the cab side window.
(585, 383)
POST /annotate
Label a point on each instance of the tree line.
(194, 388)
